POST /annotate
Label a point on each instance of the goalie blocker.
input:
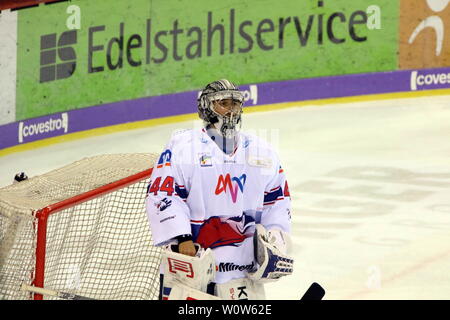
(191, 278)
(188, 275)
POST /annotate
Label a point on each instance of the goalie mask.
(220, 103)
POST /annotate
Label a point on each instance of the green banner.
(83, 53)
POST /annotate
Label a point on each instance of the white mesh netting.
(101, 248)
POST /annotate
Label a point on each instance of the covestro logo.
(429, 80)
(43, 128)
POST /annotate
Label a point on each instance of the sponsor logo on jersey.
(230, 266)
(164, 159)
(204, 140)
(166, 219)
(163, 204)
(205, 160)
(232, 185)
(260, 162)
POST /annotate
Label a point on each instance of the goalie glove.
(270, 248)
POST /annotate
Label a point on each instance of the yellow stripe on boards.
(364, 98)
(194, 116)
(98, 132)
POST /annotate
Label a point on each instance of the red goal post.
(91, 239)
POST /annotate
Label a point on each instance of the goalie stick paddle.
(314, 292)
(53, 293)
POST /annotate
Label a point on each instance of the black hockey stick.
(314, 292)
(53, 293)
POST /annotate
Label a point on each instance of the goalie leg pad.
(182, 292)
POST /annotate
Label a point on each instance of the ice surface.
(370, 183)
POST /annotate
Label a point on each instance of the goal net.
(80, 229)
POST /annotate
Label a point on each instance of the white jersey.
(197, 189)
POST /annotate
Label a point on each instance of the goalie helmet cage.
(81, 229)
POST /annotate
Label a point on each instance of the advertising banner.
(424, 38)
(85, 53)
